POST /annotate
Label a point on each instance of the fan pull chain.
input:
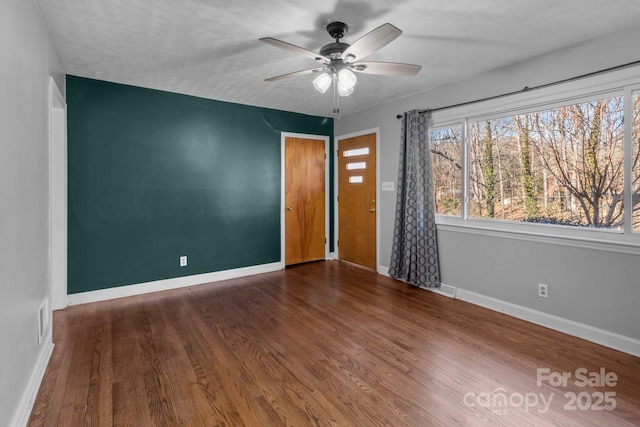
(336, 98)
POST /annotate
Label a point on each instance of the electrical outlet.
(183, 261)
(543, 290)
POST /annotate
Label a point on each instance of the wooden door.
(304, 200)
(357, 200)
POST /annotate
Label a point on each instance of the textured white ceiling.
(210, 48)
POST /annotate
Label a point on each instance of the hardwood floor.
(321, 344)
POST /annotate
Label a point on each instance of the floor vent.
(444, 289)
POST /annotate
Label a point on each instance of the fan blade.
(295, 49)
(386, 68)
(294, 74)
(370, 42)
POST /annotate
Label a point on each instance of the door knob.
(289, 208)
(372, 210)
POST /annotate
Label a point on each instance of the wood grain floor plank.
(319, 344)
(262, 357)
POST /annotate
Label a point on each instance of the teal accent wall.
(155, 175)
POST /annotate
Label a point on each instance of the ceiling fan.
(340, 60)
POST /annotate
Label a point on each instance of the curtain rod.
(527, 89)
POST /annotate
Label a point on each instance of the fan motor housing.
(334, 50)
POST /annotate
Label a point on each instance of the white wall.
(25, 55)
(597, 288)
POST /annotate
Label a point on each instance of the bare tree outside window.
(635, 143)
(446, 169)
(562, 166)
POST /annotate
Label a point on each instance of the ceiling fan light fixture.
(342, 91)
(346, 82)
(322, 82)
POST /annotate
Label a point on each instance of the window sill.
(585, 238)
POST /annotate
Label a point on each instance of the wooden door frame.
(326, 139)
(336, 212)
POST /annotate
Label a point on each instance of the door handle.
(289, 208)
(372, 210)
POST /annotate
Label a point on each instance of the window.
(446, 168)
(635, 148)
(356, 165)
(356, 152)
(562, 165)
(558, 164)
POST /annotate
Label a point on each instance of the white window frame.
(616, 83)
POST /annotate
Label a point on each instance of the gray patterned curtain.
(414, 256)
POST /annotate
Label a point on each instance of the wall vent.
(43, 319)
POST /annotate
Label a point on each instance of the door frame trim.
(57, 163)
(336, 211)
(326, 139)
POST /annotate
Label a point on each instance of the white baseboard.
(163, 285)
(21, 417)
(580, 330)
(586, 332)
